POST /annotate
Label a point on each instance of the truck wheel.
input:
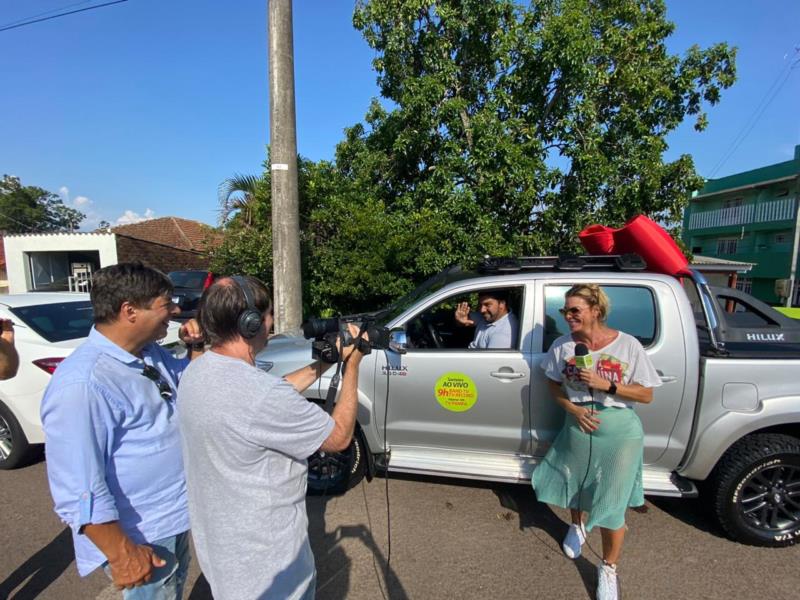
(756, 490)
(14, 448)
(337, 472)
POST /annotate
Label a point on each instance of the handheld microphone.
(583, 360)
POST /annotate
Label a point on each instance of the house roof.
(712, 263)
(172, 231)
(774, 173)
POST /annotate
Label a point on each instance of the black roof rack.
(496, 265)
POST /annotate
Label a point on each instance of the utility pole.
(795, 240)
(288, 292)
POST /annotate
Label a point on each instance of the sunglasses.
(573, 310)
(163, 387)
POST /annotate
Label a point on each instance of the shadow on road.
(333, 564)
(538, 519)
(201, 590)
(534, 517)
(691, 511)
(41, 569)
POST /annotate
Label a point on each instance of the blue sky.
(141, 109)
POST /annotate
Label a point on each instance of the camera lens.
(316, 328)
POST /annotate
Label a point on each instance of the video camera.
(326, 332)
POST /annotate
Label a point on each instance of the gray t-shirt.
(246, 436)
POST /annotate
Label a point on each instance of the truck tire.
(14, 448)
(756, 490)
(336, 472)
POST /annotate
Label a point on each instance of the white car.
(48, 326)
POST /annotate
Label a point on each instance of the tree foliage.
(506, 129)
(30, 209)
(244, 214)
(521, 125)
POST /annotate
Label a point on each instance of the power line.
(771, 93)
(47, 12)
(64, 14)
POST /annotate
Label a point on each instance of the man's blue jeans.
(167, 582)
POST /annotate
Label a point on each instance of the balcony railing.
(775, 210)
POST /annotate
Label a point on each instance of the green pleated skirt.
(613, 454)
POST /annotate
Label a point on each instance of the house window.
(745, 284)
(727, 246)
(733, 203)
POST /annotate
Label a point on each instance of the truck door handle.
(668, 378)
(507, 374)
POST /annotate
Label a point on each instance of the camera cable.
(386, 471)
(580, 495)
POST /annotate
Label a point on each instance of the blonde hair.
(593, 295)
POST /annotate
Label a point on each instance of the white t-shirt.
(622, 361)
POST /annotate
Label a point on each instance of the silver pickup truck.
(726, 420)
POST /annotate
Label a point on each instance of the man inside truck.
(495, 325)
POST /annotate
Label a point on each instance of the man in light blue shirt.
(496, 327)
(113, 448)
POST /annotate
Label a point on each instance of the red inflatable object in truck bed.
(640, 236)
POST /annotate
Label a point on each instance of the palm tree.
(238, 193)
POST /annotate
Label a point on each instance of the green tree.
(30, 209)
(246, 246)
(507, 129)
(514, 126)
(241, 195)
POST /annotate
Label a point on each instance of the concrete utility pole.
(283, 155)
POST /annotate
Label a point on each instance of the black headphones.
(250, 320)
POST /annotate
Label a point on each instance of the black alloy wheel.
(770, 499)
(336, 472)
(756, 488)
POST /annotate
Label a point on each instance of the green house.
(752, 217)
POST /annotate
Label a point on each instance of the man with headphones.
(246, 437)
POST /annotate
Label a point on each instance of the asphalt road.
(449, 539)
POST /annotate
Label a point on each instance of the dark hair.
(499, 295)
(126, 282)
(223, 302)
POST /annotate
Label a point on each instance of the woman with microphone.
(594, 467)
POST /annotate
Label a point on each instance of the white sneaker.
(607, 588)
(573, 541)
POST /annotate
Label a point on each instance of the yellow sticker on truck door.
(455, 392)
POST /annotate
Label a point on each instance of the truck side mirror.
(398, 341)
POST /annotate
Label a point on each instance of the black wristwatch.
(612, 389)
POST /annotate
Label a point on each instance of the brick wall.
(158, 256)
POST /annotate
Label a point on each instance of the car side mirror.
(398, 341)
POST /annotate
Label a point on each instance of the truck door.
(442, 394)
(644, 309)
